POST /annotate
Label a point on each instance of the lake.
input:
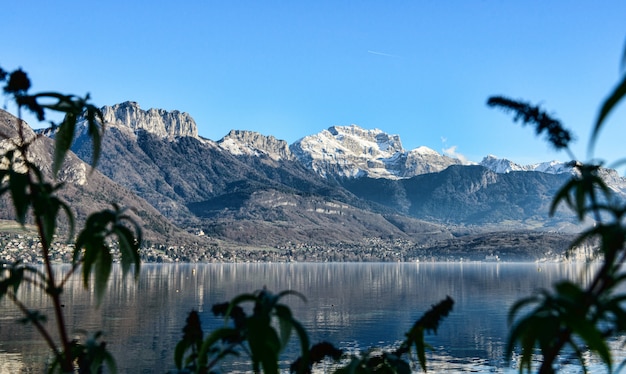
(353, 305)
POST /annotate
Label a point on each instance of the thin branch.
(42, 330)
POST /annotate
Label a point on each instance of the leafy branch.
(581, 318)
(257, 337)
(35, 198)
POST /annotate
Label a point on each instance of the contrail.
(381, 54)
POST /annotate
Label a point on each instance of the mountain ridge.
(345, 186)
(165, 124)
(85, 189)
(372, 152)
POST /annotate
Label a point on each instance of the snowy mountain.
(552, 167)
(250, 143)
(338, 152)
(352, 152)
(343, 185)
(503, 166)
(500, 165)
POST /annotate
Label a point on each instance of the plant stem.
(55, 294)
(42, 330)
(65, 358)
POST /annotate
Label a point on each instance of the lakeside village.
(25, 247)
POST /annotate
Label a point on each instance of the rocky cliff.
(249, 143)
(159, 122)
(86, 190)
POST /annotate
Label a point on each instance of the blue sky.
(419, 69)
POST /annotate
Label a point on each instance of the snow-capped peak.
(250, 143)
(552, 167)
(423, 150)
(501, 165)
(351, 151)
(359, 140)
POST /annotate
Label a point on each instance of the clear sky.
(419, 69)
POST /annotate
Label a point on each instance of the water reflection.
(355, 306)
(11, 363)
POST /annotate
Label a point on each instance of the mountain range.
(342, 186)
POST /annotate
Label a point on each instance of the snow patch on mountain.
(552, 167)
(502, 166)
(250, 143)
(610, 176)
(353, 152)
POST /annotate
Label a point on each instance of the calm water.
(354, 306)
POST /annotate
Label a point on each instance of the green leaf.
(70, 218)
(95, 129)
(63, 104)
(562, 195)
(557, 135)
(291, 292)
(18, 184)
(179, 353)
(420, 347)
(63, 141)
(607, 106)
(92, 246)
(431, 318)
(129, 249)
(519, 304)
(264, 344)
(109, 360)
(102, 269)
(207, 344)
(569, 291)
(14, 278)
(593, 338)
(304, 345)
(529, 332)
(285, 324)
(17, 275)
(48, 215)
(236, 301)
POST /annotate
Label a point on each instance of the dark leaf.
(63, 141)
(285, 324)
(18, 184)
(193, 328)
(305, 360)
(129, 249)
(215, 337)
(607, 106)
(431, 319)
(593, 338)
(558, 136)
(30, 103)
(18, 82)
(102, 268)
(95, 129)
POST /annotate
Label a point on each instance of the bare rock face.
(164, 124)
(251, 143)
